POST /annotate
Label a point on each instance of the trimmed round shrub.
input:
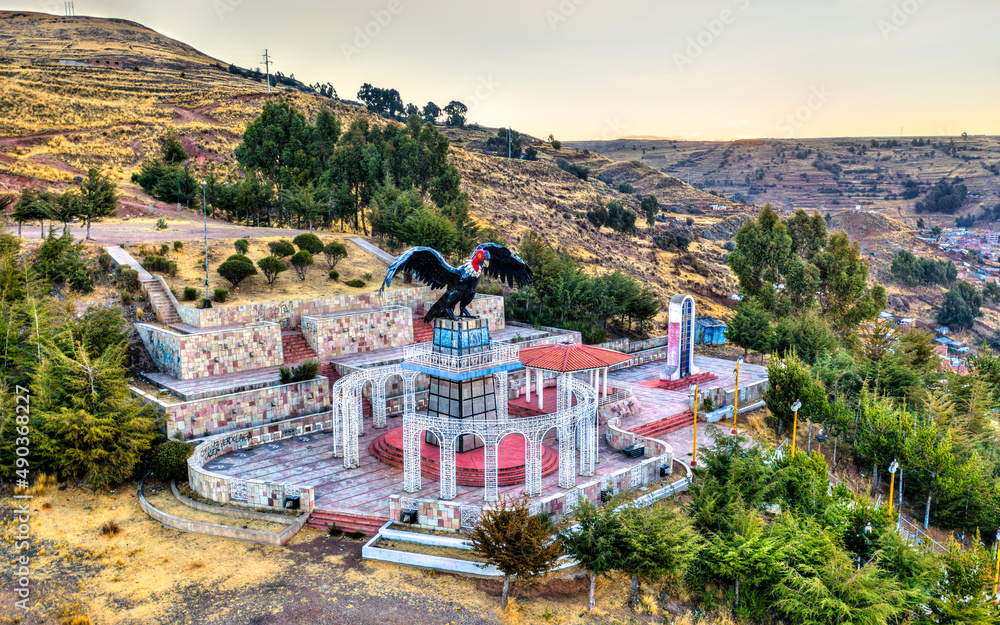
(105, 261)
(334, 274)
(301, 261)
(170, 460)
(281, 248)
(271, 266)
(128, 279)
(236, 271)
(309, 242)
(190, 293)
(164, 248)
(334, 252)
(240, 258)
(242, 246)
(355, 283)
(178, 246)
(220, 295)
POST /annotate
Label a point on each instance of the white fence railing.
(498, 354)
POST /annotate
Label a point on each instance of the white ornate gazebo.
(574, 418)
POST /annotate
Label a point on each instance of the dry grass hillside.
(782, 171)
(61, 120)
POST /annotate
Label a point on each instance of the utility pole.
(509, 131)
(267, 69)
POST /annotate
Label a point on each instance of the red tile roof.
(566, 358)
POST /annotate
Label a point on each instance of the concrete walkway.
(121, 257)
(374, 250)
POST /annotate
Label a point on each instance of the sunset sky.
(594, 69)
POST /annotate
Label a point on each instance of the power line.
(267, 69)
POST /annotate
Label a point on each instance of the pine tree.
(594, 541)
(516, 542)
(99, 197)
(657, 543)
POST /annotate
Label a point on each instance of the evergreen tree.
(516, 542)
(99, 198)
(594, 541)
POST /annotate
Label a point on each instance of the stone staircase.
(422, 332)
(369, 525)
(166, 313)
(655, 429)
(683, 383)
(295, 347)
(430, 468)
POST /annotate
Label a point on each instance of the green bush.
(161, 224)
(160, 264)
(240, 258)
(334, 252)
(236, 271)
(164, 249)
(625, 188)
(271, 266)
(334, 531)
(178, 246)
(104, 261)
(126, 298)
(242, 246)
(220, 295)
(354, 535)
(556, 144)
(281, 249)
(170, 460)
(299, 373)
(190, 294)
(357, 284)
(334, 274)
(309, 242)
(301, 261)
(128, 279)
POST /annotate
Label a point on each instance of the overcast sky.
(597, 69)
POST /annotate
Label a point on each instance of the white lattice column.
(447, 465)
(502, 394)
(409, 393)
(533, 464)
(378, 403)
(587, 448)
(338, 425)
(411, 456)
(492, 491)
(352, 453)
(567, 457)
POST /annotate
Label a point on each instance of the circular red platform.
(388, 448)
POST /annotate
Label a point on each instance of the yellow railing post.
(694, 446)
(736, 398)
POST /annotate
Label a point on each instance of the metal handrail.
(497, 355)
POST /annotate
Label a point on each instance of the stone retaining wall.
(338, 334)
(288, 314)
(222, 531)
(215, 415)
(230, 350)
(225, 489)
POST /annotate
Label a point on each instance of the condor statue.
(428, 266)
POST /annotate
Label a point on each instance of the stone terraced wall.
(225, 489)
(215, 415)
(351, 333)
(231, 350)
(288, 314)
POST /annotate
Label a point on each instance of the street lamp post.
(892, 480)
(204, 209)
(996, 572)
(795, 423)
(736, 397)
(694, 446)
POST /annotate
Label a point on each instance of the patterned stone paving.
(366, 489)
